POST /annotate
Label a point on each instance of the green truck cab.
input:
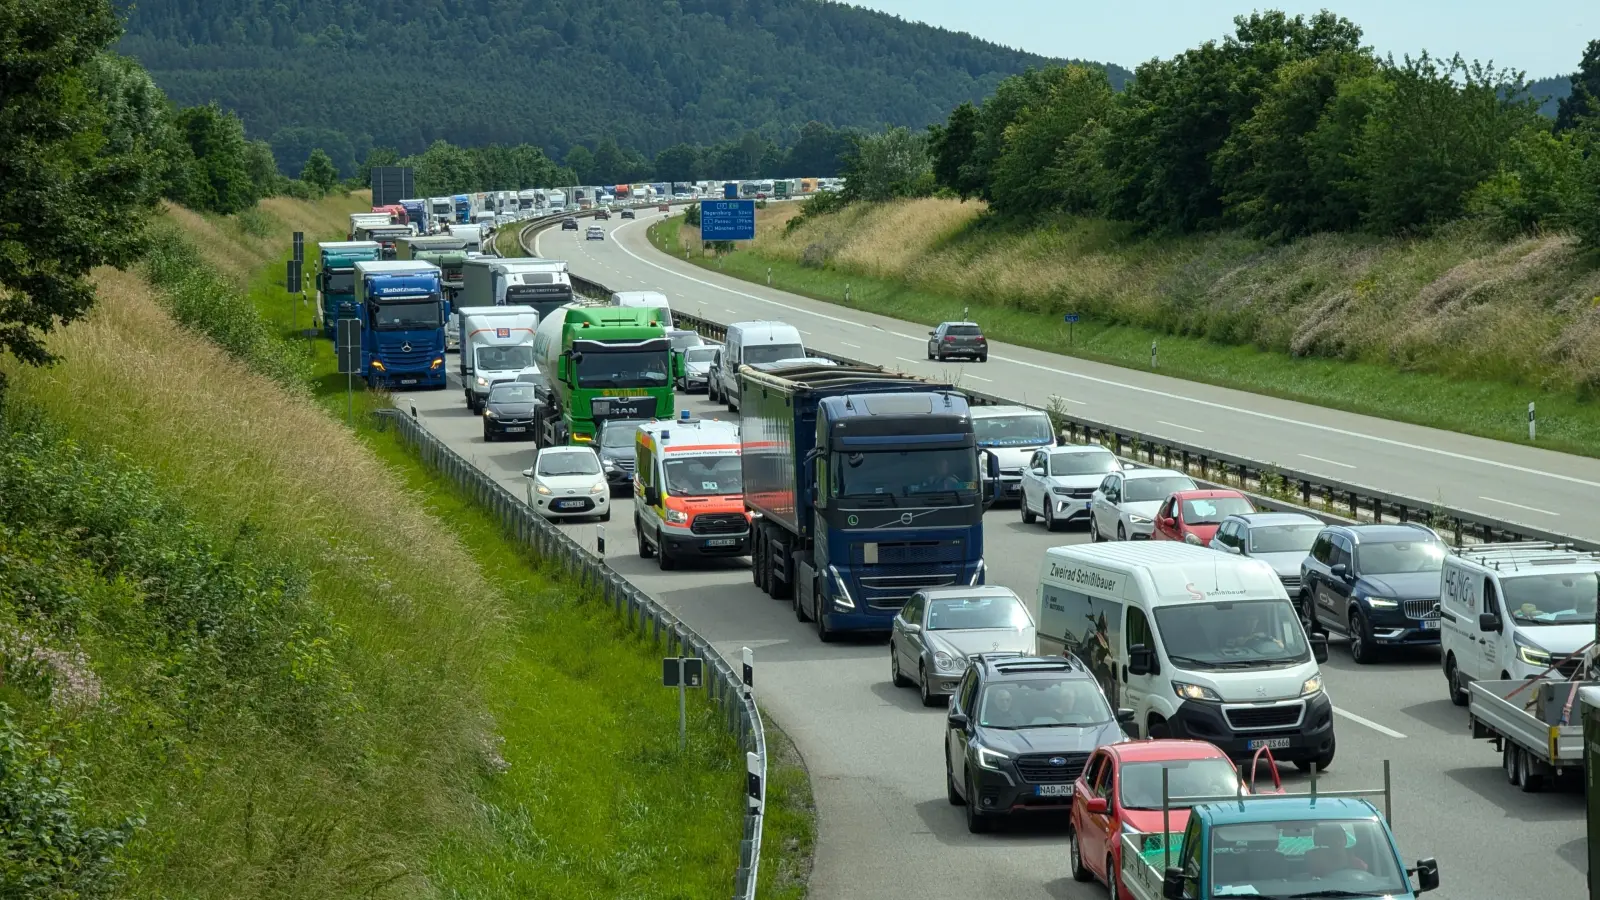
(598, 361)
(1329, 844)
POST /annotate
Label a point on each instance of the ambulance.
(688, 491)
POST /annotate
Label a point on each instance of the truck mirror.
(652, 496)
(1427, 875)
(993, 465)
(1319, 647)
(561, 367)
(1172, 884)
(1488, 622)
(1141, 660)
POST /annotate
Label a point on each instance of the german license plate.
(408, 381)
(722, 542)
(516, 429)
(1430, 624)
(1053, 790)
(1269, 743)
(570, 504)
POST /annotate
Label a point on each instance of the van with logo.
(688, 491)
(1199, 644)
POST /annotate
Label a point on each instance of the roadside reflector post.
(1531, 426)
(749, 670)
(1166, 823)
(769, 276)
(1152, 354)
(682, 672)
(600, 540)
(752, 765)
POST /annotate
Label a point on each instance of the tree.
(72, 198)
(262, 167)
(952, 146)
(610, 166)
(445, 169)
(1075, 96)
(680, 162)
(319, 171)
(218, 178)
(817, 153)
(1585, 98)
(581, 162)
(891, 164)
(377, 157)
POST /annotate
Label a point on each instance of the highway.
(885, 828)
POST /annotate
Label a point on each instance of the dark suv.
(1019, 732)
(1376, 584)
(569, 224)
(958, 339)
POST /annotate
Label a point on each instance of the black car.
(569, 224)
(958, 339)
(628, 214)
(602, 214)
(616, 445)
(509, 411)
(1376, 584)
(1020, 730)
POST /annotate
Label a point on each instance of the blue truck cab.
(462, 203)
(864, 487)
(403, 311)
(336, 278)
(417, 214)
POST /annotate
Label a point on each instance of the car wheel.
(930, 351)
(606, 516)
(950, 792)
(1452, 677)
(1323, 761)
(644, 546)
(983, 358)
(1075, 858)
(895, 676)
(1112, 881)
(922, 683)
(1049, 516)
(1027, 514)
(487, 437)
(1122, 533)
(977, 822)
(1158, 730)
(1362, 650)
(1094, 529)
(664, 559)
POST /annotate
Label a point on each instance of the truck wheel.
(1531, 782)
(799, 608)
(1452, 677)
(826, 634)
(1075, 858)
(757, 561)
(780, 588)
(665, 559)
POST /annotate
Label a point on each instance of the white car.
(1124, 505)
(1058, 483)
(567, 483)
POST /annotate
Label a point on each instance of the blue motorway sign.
(730, 191)
(1070, 318)
(728, 220)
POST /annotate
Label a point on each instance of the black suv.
(1376, 584)
(569, 224)
(1020, 730)
(602, 213)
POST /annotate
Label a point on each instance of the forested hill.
(652, 73)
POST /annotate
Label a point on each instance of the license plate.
(1053, 790)
(408, 381)
(514, 429)
(1430, 624)
(570, 504)
(722, 542)
(1269, 743)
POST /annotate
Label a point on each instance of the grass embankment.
(1457, 331)
(310, 666)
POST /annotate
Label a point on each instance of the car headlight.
(1378, 602)
(1533, 656)
(1061, 490)
(677, 517)
(598, 488)
(609, 464)
(490, 414)
(1191, 538)
(944, 662)
(1194, 691)
(1313, 685)
(482, 381)
(541, 488)
(991, 759)
(1137, 519)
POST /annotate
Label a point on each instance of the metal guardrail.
(728, 686)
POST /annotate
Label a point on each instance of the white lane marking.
(803, 331)
(912, 361)
(1286, 420)
(1176, 425)
(856, 346)
(907, 336)
(1070, 400)
(973, 377)
(1328, 461)
(1520, 506)
(1381, 729)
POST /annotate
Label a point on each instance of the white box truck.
(496, 346)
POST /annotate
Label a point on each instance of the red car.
(1193, 516)
(1120, 788)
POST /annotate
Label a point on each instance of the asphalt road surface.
(874, 753)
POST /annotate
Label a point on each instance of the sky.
(1540, 37)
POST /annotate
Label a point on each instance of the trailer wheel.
(1531, 782)
(1508, 761)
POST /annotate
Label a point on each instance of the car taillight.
(982, 340)
(949, 339)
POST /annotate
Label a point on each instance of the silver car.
(697, 368)
(940, 628)
(1281, 540)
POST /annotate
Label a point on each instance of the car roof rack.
(1517, 554)
(1020, 662)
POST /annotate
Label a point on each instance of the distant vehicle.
(696, 368)
(1125, 504)
(629, 214)
(566, 482)
(939, 628)
(958, 339)
(665, 207)
(569, 224)
(602, 213)
(1194, 516)
(1377, 584)
(1058, 483)
(750, 343)
(508, 411)
(596, 233)
(1281, 540)
(1012, 434)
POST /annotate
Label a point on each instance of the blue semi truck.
(403, 312)
(336, 278)
(463, 208)
(863, 486)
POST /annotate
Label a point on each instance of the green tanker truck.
(600, 362)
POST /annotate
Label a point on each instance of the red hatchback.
(1193, 516)
(1120, 789)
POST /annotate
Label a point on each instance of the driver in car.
(1255, 637)
(1331, 852)
(1000, 711)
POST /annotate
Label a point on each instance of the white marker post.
(1153, 359)
(749, 670)
(600, 541)
(1531, 427)
(752, 765)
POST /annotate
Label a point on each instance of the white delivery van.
(645, 299)
(1199, 644)
(498, 346)
(1012, 434)
(1511, 611)
(748, 344)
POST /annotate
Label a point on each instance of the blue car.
(1376, 584)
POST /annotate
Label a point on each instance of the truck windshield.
(1551, 599)
(623, 368)
(1012, 431)
(340, 281)
(704, 476)
(1187, 779)
(407, 312)
(1328, 858)
(1043, 703)
(902, 473)
(1232, 634)
(499, 359)
(755, 354)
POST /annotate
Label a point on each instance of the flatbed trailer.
(1537, 725)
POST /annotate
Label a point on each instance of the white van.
(496, 346)
(748, 344)
(1012, 434)
(1199, 644)
(1511, 611)
(643, 299)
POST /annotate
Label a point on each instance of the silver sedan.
(939, 629)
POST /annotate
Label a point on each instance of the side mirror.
(1097, 806)
(1141, 660)
(1340, 571)
(1172, 884)
(1125, 716)
(912, 628)
(527, 473)
(1038, 470)
(1169, 522)
(652, 496)
(1488, 622)
(958, 720)
(1427, 875)
(1319, 648)
(933, 334)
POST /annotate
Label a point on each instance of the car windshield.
(619, 432)
(569, 462)
(900, 473)
(1043, 703)
(699, 355)
(515, 392)
(499, 359)
(755, 354)
(1187, 779)
(1093, 462)
(1327, 858)
(683, 340)
(1212, 510)
(1012, 431)
(1295, 538)
(1399, 557)
(407, 313)
(622, 368)
(965, 613)
(1232, 634)
(1551, 599)
(1143, 490)
(704, 476)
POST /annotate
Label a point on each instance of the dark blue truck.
(864, 487)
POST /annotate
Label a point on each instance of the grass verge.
(1492, 409)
